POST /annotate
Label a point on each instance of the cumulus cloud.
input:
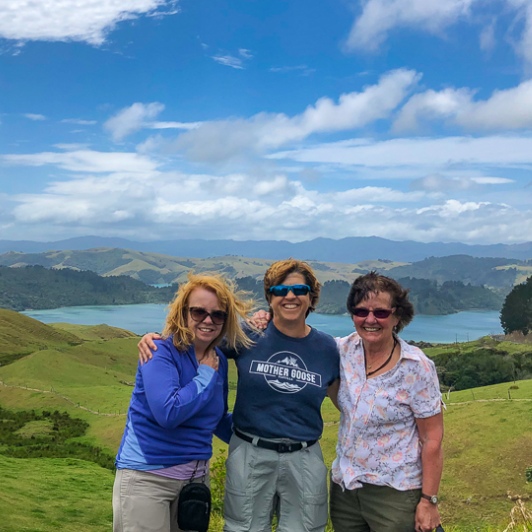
(378, 17)
(238, 206)
(221, 140)
(132, 119)
(73, 20)
(507, 109)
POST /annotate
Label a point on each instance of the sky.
(278, 120)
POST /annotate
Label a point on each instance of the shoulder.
(415, 356)
(324, 339)
(349, 342)
(167, 349)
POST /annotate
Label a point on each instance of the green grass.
(49, 494)
(488, 443)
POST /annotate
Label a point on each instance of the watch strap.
(431, 498)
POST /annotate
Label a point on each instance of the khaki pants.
(373, 509)
(144, 502)
(261, 483)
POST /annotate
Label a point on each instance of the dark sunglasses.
(379, 313)
(199, 314)
(282, 290)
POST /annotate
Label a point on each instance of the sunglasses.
(379, 313)
(199, 314)
(282, 290)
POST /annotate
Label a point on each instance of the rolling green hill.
(488, 441)
(35, 287)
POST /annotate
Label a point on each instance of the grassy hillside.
(488, 441)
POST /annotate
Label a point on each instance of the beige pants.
(144, 502)
(261, 483)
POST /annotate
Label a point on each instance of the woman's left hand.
(260, 319)
(427, 516)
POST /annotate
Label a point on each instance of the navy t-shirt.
(282, 382)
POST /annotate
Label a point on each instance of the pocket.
(315, 511)
(237, 497)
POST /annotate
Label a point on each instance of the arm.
(146, 346)
(332, 392)
(431, 435)
(224, 430)
(171, 402)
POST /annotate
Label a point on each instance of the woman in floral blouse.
(389, 461)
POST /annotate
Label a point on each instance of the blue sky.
(283, 120)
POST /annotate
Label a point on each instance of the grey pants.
(261, 483)
(144, 502)
(373, 509)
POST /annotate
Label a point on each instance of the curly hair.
(374, 283)
(230, 301)
(281, 269)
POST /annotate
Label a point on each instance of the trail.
(64, 397)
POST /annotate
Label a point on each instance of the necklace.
(369, 373)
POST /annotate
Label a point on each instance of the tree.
(516, 312)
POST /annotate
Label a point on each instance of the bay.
(459, 327)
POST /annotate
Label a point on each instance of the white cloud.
(419, 154)
(446, 183)
(378, 17)
(35, 117)
(230, 61)
(132, 119)
(85, 161)
(173, 125)
(72, 20)
(507, 109)
(236, 206)
(79, 121)
(220, 140)
(234, 61)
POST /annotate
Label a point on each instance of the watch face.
(434, 499)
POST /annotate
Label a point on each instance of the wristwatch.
(433, 499)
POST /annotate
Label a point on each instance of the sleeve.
(171, 402)
(224, 430)
(426, 395)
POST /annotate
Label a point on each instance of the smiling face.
(205, 332)
(290, 309)
(371, 329)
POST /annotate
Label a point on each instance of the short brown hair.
(281, 269)
(374, 283)
(230, 301)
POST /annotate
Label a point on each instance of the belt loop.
(304, 445)
(255, 441)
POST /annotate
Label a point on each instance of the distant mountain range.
(348, 250)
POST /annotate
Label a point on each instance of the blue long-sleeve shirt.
(176, 406)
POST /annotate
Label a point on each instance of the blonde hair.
(230, 301)
(281, 269)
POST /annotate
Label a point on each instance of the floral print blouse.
(378, 441)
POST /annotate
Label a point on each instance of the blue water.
(460, 327)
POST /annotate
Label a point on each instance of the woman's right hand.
(146, 346)
(211, 359)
